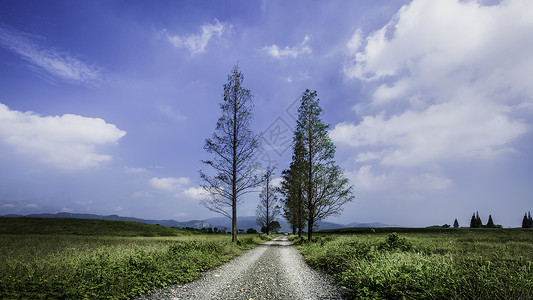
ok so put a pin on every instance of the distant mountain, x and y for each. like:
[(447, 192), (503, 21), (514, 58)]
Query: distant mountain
[(220, 222)]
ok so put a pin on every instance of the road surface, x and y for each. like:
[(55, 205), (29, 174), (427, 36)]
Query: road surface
[(273, 270)]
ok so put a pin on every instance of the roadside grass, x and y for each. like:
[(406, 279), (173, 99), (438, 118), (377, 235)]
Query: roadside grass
[(454, 264), (53, 265)]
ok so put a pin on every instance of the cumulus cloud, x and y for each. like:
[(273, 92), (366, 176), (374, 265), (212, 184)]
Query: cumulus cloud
[(172, 187), (168, 183), (49, 60), (196, 43), (302, 48), (66, 142), (450, 77), (197, 193)]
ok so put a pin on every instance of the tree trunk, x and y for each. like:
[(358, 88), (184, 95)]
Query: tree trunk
[(310, 229)]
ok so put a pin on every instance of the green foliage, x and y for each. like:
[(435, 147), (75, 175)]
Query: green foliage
[(452, 264), (58, 266)]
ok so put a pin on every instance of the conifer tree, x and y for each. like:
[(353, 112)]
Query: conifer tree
[(490, 223), (473, 221), (325, 189), (529, 220), (233, 146), (525, 221), (479, 223), (455, 224)]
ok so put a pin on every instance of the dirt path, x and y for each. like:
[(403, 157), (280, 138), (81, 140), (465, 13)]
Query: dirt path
[(273, 270)]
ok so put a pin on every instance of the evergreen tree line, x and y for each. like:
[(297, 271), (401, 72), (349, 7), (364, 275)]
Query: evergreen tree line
[(475, 222), (527, 222)]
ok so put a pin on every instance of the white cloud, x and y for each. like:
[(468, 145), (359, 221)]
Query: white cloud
[(450, 75), (169, 183), (31, 205), (66, 142), (57, 63), (441, 132), (197, 193), (8, 205), (196, 43), (302, 48)]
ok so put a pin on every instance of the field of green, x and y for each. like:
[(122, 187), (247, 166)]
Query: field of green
[(427, 263), (97, 259)]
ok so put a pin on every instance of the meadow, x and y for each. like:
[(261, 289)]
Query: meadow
[(427, 263), (97, 259)]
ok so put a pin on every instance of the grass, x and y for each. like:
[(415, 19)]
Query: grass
[(97, 259), (450, 264)]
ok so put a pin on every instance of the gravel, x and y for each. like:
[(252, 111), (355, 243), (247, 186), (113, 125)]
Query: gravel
[(273, 270)]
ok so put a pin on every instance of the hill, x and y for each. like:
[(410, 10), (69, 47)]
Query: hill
[(86, 227), (243, 222)]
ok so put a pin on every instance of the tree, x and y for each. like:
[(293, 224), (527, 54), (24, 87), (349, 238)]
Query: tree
[(267, 210), (455, 224), (326, 190), (473, 221), (251, 231), (233, 145), (479, 224), (527, 222), (490, 223), (292, 188)]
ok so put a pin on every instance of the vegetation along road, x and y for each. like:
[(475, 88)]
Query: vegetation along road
[(273, 270)]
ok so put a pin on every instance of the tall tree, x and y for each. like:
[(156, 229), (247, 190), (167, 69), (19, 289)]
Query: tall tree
[(529, 220), (267, 209), (525, 221), (292, 188), (326, 189), (233, 145), (479, 223)]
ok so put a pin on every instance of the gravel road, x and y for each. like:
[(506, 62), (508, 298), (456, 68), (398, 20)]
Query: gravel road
[(273, 270)]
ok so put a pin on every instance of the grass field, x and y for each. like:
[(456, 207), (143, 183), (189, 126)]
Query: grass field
[(428, 264), (95, 259)]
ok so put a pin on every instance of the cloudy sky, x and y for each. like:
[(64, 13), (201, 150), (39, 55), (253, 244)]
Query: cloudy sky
[(105, 105)]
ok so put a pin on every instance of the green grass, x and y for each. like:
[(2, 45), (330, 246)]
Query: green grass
[(97, 259), (450, 264)]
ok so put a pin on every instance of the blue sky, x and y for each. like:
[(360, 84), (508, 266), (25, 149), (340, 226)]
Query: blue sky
[(105, 105)]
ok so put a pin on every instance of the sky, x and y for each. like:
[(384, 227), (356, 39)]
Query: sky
[(105, 105)]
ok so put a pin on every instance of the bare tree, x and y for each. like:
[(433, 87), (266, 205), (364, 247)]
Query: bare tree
[(267, 209), (234, 146)]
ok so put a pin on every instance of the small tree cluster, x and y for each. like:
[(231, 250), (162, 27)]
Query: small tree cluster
[(475, 221), (527, 222)]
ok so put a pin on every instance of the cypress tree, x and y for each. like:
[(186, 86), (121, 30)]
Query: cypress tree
[(473, 221), (529, 220), (479, 223), (455, 224), (525, 221), (490, 223)]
